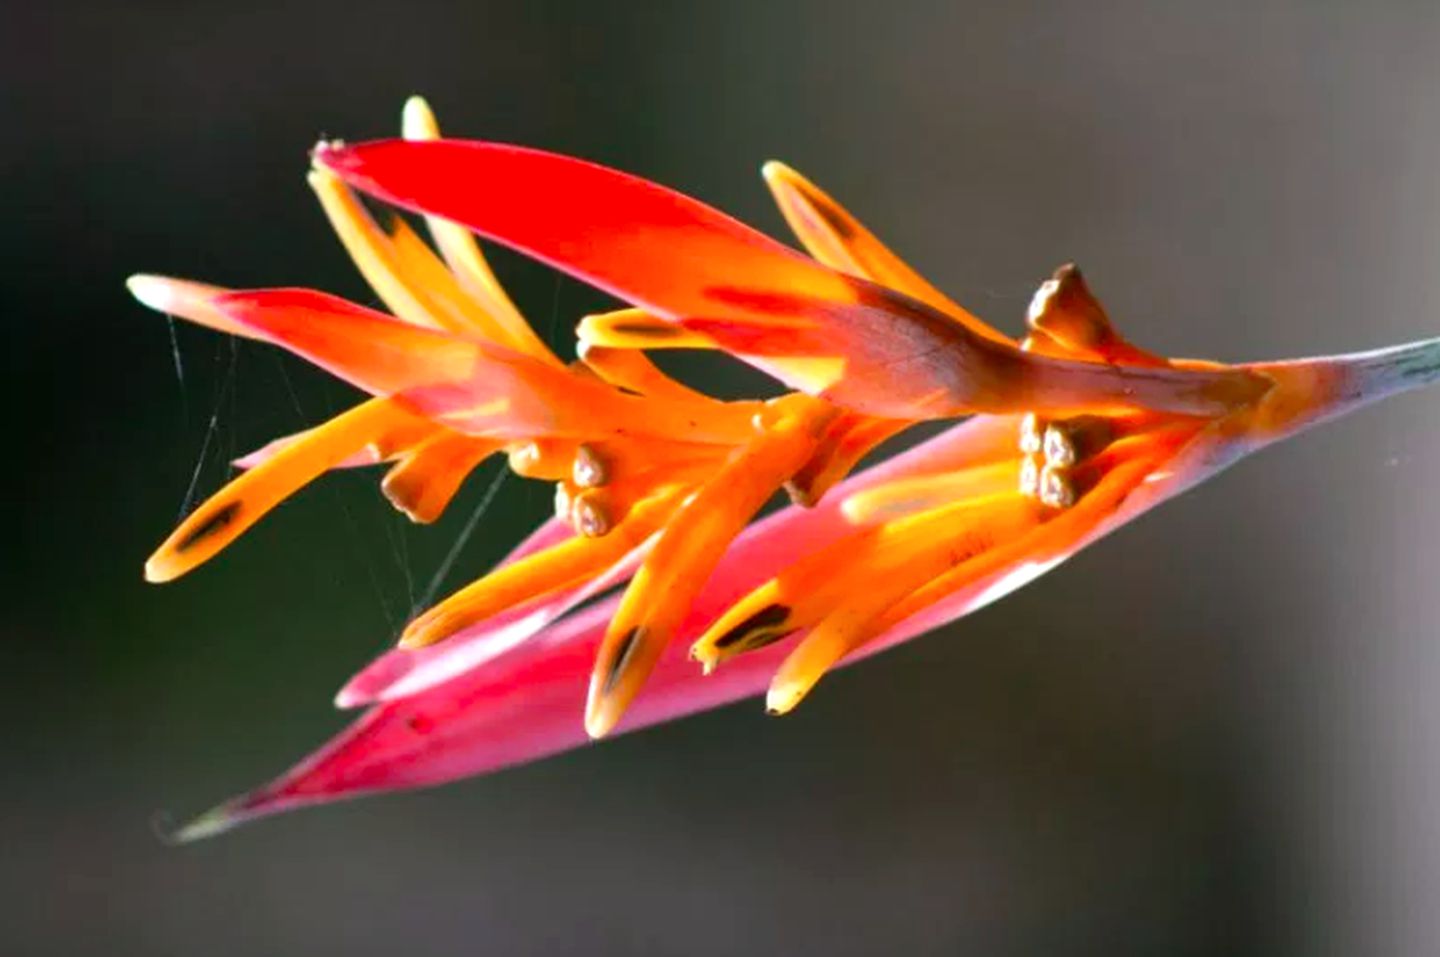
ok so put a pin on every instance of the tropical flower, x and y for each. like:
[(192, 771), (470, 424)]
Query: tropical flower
[(1071, 432)]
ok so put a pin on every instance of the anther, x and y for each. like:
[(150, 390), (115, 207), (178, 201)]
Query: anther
[(1032, 432), (589, 470), (1030, 476), (563, 500), (1058, 447), (589, 515), (1056, 489)]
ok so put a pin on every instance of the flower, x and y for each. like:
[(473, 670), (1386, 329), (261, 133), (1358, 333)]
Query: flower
[(1072, 432)]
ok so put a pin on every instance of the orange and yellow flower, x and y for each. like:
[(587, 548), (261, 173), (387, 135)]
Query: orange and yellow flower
[(1069, 432)]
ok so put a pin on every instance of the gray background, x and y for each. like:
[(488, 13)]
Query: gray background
[(1217, 732)]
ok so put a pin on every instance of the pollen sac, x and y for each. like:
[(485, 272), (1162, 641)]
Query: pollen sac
[(1056, 488), (590, 516), (1058, 448), (1030, 476), (1032, 434), (590, 470)]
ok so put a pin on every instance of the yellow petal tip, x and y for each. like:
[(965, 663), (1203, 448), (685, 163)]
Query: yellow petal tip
[(417, 120)]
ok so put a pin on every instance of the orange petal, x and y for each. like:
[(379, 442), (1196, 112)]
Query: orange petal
[(834, 237), (688, 549), (427, 477), (571, 562), (237, 506), (636, 329), (847, 440), (462, 254), (957, 536)]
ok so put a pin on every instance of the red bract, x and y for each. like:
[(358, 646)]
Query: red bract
[(1073, 431)]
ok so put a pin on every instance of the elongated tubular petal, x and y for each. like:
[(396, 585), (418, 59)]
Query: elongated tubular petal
[(805, 591), (636, 329), (471, 386), (427, 477), (959, 534), (689, 548), (560, 566), (879, 351), (630, 369), (1049, 544), (237, 506), (836, 238), (462, 254), (193, 301), (846, 441), (908, 496), (371, 250)]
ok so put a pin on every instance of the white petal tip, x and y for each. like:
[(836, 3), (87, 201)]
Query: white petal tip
[(417, 120), (156, 292)]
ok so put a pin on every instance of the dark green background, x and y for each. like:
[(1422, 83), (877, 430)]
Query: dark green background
[(1217, 732)]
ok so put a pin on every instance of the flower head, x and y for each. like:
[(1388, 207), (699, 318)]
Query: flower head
[(1071, 431)]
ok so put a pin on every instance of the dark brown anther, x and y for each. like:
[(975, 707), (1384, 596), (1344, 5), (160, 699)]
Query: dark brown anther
[(590, 470), (209, 526), (767, 623), (622, 657)]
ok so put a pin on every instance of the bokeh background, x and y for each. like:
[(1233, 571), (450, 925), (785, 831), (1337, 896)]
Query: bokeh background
[(1216, 732)]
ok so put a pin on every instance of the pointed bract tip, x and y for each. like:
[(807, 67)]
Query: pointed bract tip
[(215, 821), (155, 292)]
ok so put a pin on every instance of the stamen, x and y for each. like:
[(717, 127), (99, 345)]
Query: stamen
[(590, 470), (1056, 489), (1059, 450), (1030, 467), (589, 515), (1032, 434)]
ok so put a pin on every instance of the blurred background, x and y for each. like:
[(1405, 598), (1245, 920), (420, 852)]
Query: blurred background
[(1216, 732)]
